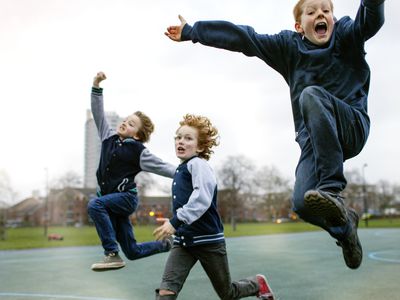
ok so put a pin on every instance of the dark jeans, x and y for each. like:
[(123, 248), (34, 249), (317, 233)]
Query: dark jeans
[(332, 131), (110, 214), (214, 260)]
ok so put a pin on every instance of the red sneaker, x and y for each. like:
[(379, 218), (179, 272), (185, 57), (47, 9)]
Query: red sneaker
[(264, 291)]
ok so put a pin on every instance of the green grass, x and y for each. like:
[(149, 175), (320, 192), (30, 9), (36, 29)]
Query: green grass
[(27, 238)]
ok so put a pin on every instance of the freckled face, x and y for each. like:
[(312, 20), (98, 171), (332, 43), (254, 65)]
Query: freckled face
[(186, 142), (316, 21), (129, 128)]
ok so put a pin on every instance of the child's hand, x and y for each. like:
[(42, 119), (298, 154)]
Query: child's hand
[(175, 32), (99, 78), (165, 230)]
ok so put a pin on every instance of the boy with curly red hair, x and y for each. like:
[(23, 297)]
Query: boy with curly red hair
[(196, 225)]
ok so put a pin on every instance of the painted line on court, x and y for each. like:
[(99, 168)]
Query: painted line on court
[(51, 296), (380, 256), (387, 233), (44, 258)]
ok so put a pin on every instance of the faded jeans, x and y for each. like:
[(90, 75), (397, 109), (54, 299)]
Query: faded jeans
[(332, 131), (110, 214), (214, 260)]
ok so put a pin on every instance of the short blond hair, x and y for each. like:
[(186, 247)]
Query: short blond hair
[(147, 127), (298, 10), (208, 134)]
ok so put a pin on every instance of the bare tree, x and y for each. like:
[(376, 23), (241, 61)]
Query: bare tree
[(3, 220), (268, 179), (275, 190), (385, 194), (355, 192), (235, 177), (363, 196), (7, 196), (70, 179)]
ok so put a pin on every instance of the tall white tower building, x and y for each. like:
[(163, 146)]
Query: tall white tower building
[(93, 146)]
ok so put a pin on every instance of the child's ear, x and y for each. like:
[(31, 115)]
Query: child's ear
[(199, 150), (298, 28)]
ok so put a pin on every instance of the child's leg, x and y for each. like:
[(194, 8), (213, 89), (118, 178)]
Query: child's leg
[(333, 131), (180, 262), (100, 210), (214, 260), (336, 132), (132, 249), (306, 179)]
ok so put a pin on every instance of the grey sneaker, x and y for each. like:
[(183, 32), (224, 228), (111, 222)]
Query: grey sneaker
[(112, 261), (351, 246), (328, 205)]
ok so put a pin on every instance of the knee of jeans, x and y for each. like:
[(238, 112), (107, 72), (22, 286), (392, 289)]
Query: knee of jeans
[(92, 205), (132, 254), (310, 99)]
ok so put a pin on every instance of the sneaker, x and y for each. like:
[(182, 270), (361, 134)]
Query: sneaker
[(112, 261), (328, 205), (264, 291), (351, 246)]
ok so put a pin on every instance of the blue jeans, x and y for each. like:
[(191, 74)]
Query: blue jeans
[(110, 214), (332, 131)]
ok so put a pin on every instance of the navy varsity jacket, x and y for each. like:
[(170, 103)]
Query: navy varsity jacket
[(194, 200), (121, 160)]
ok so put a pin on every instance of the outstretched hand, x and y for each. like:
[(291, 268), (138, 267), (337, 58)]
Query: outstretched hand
[(99, 78), (165, 230), (175, 32)]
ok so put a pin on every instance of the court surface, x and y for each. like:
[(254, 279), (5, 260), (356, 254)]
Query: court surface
[(302, 266)]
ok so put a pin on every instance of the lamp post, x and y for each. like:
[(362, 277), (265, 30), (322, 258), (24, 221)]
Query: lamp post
[(364, 193), (46, 205)]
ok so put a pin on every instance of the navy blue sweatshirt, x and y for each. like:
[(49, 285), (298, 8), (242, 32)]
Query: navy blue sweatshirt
[(339, 66)]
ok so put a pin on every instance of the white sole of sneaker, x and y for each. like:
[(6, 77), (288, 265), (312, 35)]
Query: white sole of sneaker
[(100, 267)]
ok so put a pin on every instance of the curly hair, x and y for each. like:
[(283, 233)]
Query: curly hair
[(298, 9), (208, 134), (147, 127)]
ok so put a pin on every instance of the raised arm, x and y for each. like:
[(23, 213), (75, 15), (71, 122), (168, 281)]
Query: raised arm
[(97, 105), (369, 19), (218, 34), (238, 38)]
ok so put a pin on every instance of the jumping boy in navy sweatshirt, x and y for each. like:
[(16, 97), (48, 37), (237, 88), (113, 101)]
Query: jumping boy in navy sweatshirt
[(323, 62)]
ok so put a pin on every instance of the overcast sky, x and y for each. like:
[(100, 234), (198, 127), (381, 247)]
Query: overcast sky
[(51, 49)]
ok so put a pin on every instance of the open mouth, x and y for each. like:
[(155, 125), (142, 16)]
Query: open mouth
[(321, 28), (180, 149)]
